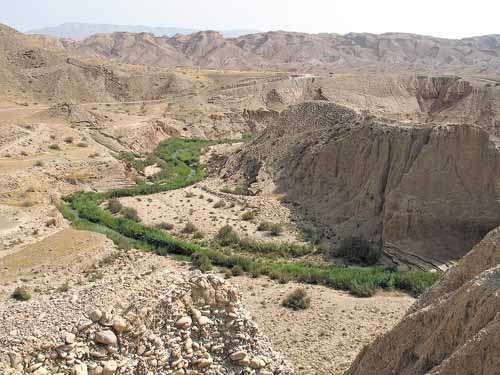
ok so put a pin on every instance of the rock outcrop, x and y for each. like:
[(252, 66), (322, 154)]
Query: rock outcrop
[(199, 326), (453, 329), (427, 193)]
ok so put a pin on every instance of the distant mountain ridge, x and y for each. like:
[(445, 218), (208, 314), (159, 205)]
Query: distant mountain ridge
[(386, 53), (79, 30), (283, 50)]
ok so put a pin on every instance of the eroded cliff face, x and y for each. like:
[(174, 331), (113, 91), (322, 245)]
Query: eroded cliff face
[(450, 98), (453, 329), (427, 193)]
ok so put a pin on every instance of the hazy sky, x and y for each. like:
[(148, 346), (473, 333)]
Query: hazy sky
[(447, 18)]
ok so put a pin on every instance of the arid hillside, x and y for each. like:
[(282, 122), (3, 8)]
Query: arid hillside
[(305, 52), (426, 192)]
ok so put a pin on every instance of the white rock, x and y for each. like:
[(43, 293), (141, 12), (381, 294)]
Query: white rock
[(109, 367), (238, 356), (41, 371), (95, 315), (119, 324), (106, 338), (80, 369), (184, 322), (203, 320), (69, 338)]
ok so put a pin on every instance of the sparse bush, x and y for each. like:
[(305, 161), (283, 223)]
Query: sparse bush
[(166, 226), (248, 215), (237, 271), (198, 235), (21, 294), (64, 287), (94, 155), (274, 229), (227, 236), (202, 262), (130, 213), (39, 163), (359, 251), (68, 140), (297, 300), (310, 233), (220, 204), (82, 144), (227, 273), (189, 228), (114, 206), (54, 147)]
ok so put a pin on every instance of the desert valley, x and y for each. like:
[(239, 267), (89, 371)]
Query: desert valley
[(267, 203)]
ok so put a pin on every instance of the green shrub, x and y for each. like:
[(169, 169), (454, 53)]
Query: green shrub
[(130, 213), (361, 289), (114, 206), (274, 229), (202, 262), (21, 294), (283, 249), (227, 236), (359, 251), (297, 300)]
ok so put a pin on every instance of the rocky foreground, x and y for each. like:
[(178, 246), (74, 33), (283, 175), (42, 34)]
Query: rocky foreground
[(143, 321)]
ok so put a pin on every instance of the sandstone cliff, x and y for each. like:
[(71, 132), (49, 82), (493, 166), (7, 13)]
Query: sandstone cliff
[(427, 193), (453, 329)]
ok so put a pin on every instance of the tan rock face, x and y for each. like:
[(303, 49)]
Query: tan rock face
[(453, 329), (428, 193)]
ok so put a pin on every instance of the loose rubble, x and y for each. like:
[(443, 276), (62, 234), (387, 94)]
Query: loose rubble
[(198, 326)]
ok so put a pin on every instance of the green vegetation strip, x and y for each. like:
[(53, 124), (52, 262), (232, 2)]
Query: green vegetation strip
[(182, 158)]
